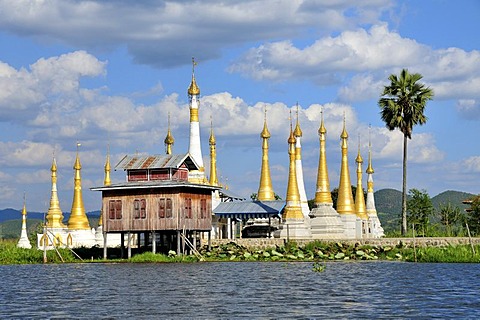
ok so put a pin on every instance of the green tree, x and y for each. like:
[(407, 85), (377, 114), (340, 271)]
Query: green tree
[(473, 215), (402, 105), (450, 217), (420, 209)]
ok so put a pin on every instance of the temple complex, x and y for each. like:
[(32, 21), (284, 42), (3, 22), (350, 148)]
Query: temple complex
[(168, 199)]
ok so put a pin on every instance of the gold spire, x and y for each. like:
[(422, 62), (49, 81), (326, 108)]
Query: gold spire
[(297, 132), (54, 214), (169, 138), (293, 209), (24, 212), (78, 219), (265, 190), (345, 204), (107, 180), (369, 168), (359, 198), (323, 194), (193, 89), (213, 156), (24, 209)]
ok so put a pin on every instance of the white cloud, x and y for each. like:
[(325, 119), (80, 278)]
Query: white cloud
[(25, 93), (420, 149), (362, 61), (159, 33), (469, 109), (327, 58), (362, 87), (471, 164)]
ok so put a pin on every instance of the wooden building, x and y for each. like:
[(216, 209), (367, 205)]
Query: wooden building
[(157, 202)]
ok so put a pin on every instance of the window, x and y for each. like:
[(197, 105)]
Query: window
[(115, 209), (169, 208), (188, 208), (161, 208), (139, 209), (203, 208), (165, 208)]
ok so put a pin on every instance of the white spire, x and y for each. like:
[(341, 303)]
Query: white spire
[(24, 242)]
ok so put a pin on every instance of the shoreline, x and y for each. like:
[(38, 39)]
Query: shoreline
[(387, 249)]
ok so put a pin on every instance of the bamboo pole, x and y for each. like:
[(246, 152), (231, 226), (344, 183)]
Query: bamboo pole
[(470, 238), (414, 248)]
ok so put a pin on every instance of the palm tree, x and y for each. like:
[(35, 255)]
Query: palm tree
[(402, 105)]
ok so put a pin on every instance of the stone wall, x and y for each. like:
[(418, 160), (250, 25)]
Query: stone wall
[(262, 243)]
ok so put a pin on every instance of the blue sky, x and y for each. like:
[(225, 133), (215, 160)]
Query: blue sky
[(109, 72)]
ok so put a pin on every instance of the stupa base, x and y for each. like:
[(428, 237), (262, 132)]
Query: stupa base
[(326, 223)]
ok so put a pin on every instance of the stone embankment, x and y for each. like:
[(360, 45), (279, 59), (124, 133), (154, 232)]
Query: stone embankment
[(263, 243)]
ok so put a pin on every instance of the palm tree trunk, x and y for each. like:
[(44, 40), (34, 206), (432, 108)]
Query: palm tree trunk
[(404, 187)]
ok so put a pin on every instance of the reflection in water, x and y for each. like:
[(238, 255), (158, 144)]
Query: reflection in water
[(270, 290)]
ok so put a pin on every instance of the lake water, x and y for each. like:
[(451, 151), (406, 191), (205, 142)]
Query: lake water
[(353, 290)]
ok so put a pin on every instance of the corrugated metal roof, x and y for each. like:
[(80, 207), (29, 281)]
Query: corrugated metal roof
[(249, 209), (153, 184), (130, 162), (225, 193)]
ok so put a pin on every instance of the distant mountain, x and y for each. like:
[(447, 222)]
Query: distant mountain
[(13, 214), (11, 221), (389, 204), (453, 197)]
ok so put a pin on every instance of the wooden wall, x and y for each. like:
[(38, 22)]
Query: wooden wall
[(152, 221)]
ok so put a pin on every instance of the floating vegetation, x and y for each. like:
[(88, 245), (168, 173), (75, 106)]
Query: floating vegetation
[(319, 267), (313, 251)]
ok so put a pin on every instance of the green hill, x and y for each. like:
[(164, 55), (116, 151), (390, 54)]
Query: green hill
[(453, 197), (389, 207)]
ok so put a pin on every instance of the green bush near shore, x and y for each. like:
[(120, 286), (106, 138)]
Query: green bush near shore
[(313, 251), (10, 254)]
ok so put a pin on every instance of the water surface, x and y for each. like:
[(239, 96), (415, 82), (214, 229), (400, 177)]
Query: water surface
[(261, 290)]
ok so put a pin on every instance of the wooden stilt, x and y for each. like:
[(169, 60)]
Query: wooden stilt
[(104, 245), (195, 239), (154, 242), (122, 245), (178, 242), (209, 240), (129, 245)]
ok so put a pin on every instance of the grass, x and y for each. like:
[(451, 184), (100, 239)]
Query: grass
[(454, 254), (315, 251), (10, 254)]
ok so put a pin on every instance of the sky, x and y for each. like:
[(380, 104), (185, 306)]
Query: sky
[(106, 74)]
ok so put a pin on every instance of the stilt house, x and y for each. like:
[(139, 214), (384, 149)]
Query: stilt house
[(157, 199)]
